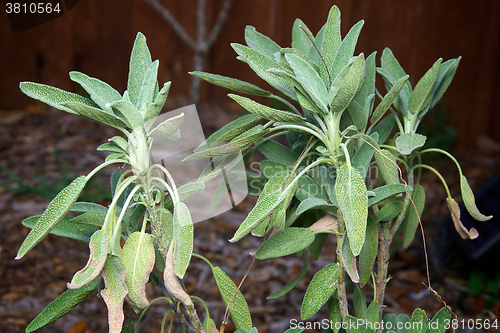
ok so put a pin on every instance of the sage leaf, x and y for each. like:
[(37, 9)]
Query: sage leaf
[(388, 99), (275, 151), (53, 96), (314, 203), (61, 305), (140, 60), (291, 284), (386, 191), (351, 85), (424, 90), (285, 242), (469, 201), (310, 80), (319, 290), (387, 165), (171, 280), (392, 71), (330, 45), (390, 211), (148, 88), (120, 142), (352, 198), (408, 142), (396, 321), (329, 184), (89, 218), (349, 260), (300, 39), (100, 92), (114, 292), (129, 113), (231, 84), (183, 236), (260, 42), (334, 313), (98, 251), (295, 330), (418, 322), (410, 223), (446, 74), (372, 313), (84, 207), (65, 228), (111, 147), (461, 229), (366, 95), (439, 322), (266, 112), (54, 213), (384, 129), (346, 49), (239, 310), (138, 257), (359, 302), (260, 65), (96, 114), (368, 252), (154, 109), (169, 129), (363, 156)]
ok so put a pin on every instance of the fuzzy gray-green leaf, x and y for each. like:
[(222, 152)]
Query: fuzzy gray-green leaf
[(439, 322), (352, 197), (169, 129), (300, 39), (148, 88), (275, 151), (183, 237), (96, 114), (239, 310), (140, 60), (98, 251), (408, 142), (346, 49), (100, 92), (138, 257), (390, 211), (54, 213), (363, 156), (418, 322), (368, 252), (314, 203), (129, 113), (285, 242), (267, 112), (90, 218), (446, 74), (154, 109), (319, 290), (411, 221), (331, 44), (386, 191), (231, 84), (424, 90), (65, 228), (359, 302), (61, 305), (349, 260), (261, 43), (351, 85), (469, 201), (386, 163), (388, 99), (54, 97), (334, 313)]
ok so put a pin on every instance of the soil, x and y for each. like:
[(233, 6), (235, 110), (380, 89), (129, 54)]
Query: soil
[(42, 149)]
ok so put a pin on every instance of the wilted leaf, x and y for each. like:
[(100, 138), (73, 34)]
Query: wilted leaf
[(469, 201), (349, 260), (319, 290), (455, 214), (115, 291), (54, 213)]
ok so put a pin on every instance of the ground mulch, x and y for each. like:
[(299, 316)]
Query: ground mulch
[(42, 148)]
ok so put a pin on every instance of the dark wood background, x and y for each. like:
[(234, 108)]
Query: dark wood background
[(96, 38)]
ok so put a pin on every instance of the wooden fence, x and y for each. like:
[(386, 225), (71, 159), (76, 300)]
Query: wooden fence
[(96, 38)]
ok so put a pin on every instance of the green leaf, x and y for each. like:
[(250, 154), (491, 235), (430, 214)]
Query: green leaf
[(300, 39), (90, 218), (330, 45), (295, 330), (469, 201), (129, 113), (154, 109), (391, 64), (61, 305), (368, 88), (351, 84), (418, 322), (446, 74), (98, 251), (114, 293), (384, 129), (54, 97), (388, 99), (439, 321), (232, 84), (169, 129), (290, 285), (390, 211), (54, 213), (359, 303), (411, 221), (386, 163), (100, 92), (284, 62), (275, 151), (140, 60), (95, 114), (329, 184), (183, 237), (386, 191), (392, 71), (266, 112), (120, 142), (363, 156), (148, 88), (424, 90), (310, 80), (319, 290), (188, 190), (84, 207), (111, 147), (349, 260), (334, 313), (396, 321), (357, 115), (372, 313), (352, 197), (65, 228), (239, 310), (285, 242), (346, 49), (260, 43), (260, 65), (138, 257), (408, 142), (314, 203), (368, 252)]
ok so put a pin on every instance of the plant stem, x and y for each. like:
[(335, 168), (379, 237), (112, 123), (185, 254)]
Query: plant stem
[(382, 265), (342, 294)]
